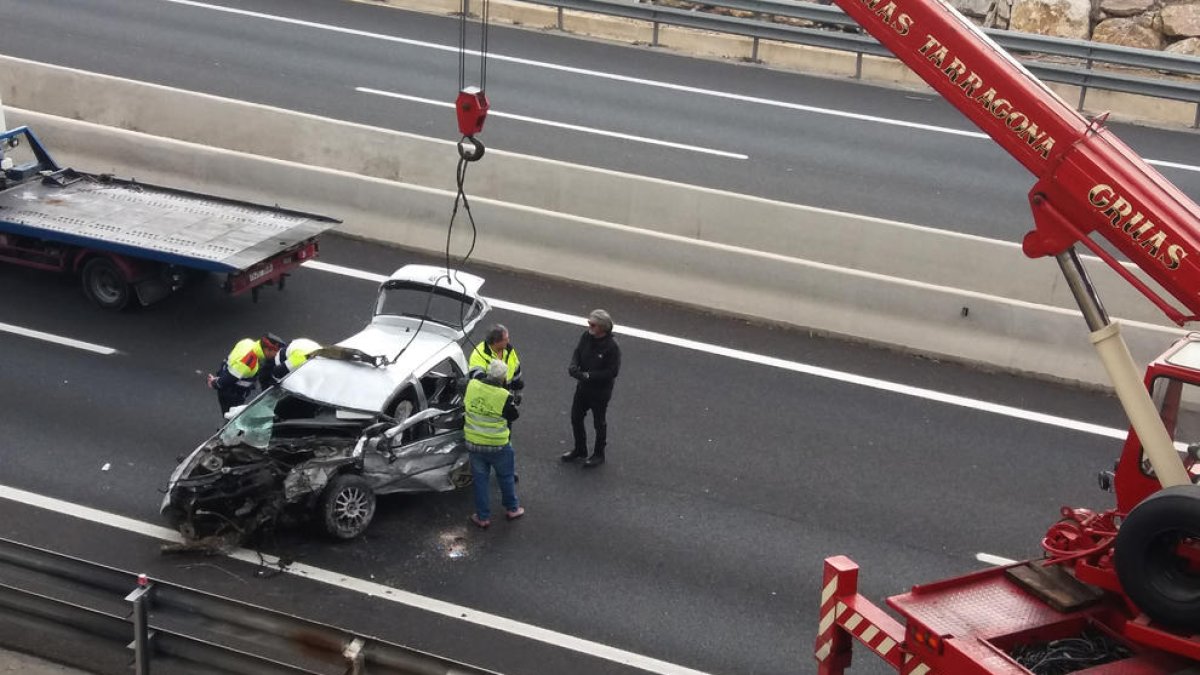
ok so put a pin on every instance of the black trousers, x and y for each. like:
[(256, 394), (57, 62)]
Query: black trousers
[(597, 402), (229, 398)]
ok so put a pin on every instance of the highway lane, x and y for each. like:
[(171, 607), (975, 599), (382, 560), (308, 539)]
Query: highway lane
[(315, 55), (698, 544)]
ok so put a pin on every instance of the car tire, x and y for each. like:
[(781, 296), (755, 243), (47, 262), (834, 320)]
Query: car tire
[(105, 284), (347, 506), (1152, 574)]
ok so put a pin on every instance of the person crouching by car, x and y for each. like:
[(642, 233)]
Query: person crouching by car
[(293, 355), (237, 376), (489, 411)]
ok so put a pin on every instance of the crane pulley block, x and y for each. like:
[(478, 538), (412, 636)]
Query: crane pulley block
[(472, 107)]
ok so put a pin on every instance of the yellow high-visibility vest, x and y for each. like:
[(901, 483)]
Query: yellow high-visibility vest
[(481, 356), (298, 352), (245, 358), (485, 423)]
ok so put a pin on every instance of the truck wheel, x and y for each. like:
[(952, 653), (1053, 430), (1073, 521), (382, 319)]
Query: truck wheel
[(1160, 580), (347, 506), (104, 283)]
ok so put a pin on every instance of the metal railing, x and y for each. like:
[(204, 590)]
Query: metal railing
[(165, 628), (1081, 55)]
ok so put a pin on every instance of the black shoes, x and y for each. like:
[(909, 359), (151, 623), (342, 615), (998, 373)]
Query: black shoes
[(593, 461), (572, 456)]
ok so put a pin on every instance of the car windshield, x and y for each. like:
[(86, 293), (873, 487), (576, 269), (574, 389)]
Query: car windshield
[(253, 425), (438, 305), (279, 417)]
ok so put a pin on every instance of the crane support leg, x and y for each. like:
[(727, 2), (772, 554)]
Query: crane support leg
[(847, 616), (1125, 376)]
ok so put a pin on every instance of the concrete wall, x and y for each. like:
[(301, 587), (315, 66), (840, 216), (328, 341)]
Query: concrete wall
[(926, 290)]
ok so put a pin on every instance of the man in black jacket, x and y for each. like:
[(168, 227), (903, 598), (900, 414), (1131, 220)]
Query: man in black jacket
[(595, 362)]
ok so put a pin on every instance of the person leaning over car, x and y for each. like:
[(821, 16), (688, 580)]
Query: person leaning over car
[(293, 355), (236, 377), (595, 363), (489, 411), (495, 345)]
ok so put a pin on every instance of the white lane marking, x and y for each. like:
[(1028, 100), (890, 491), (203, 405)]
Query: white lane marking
[(625, 78), (1173, 165), (561, 125), (583, 71), (362, 586), (57, 339), (994, 559), (794, 366)]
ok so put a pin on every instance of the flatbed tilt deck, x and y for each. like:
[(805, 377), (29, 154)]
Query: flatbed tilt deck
[(127, 239)]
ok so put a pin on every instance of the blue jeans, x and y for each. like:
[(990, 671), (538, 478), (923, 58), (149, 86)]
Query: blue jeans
[(482, 463)]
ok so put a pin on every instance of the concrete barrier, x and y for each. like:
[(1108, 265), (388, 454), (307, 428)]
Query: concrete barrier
[(930, 291), (863, 243)]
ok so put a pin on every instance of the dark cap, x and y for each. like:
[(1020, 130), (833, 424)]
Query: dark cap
[(273, 340)]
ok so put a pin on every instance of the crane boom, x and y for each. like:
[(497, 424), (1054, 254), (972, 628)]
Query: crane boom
[(1088, 179), (1135, 569)]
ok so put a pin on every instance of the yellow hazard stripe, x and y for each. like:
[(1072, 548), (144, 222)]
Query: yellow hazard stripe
[(829, 590)]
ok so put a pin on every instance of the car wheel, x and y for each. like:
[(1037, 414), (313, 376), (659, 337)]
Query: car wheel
[(104, 283), (1153, 572), (347, 506)]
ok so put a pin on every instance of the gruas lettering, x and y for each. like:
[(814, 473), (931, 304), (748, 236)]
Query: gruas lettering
[(1144, 232)]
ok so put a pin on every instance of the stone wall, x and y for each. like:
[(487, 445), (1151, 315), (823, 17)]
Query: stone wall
[(1164, 25), (1146, 24)]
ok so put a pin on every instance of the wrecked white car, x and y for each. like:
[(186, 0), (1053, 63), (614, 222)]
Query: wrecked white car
[(379, 413)]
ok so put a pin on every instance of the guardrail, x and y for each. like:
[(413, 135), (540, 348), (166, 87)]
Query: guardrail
[(167, 628), (849, 38)]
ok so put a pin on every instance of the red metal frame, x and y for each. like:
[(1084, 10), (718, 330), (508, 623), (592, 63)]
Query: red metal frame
[(970, 623), (1088, 182), (272, 269)]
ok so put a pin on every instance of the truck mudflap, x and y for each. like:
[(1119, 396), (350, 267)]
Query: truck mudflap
[(273, 270), (989, 622)]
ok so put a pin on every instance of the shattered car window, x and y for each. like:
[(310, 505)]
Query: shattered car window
[(253, 425)]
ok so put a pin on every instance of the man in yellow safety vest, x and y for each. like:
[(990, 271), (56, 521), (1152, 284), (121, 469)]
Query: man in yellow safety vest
[(293, 355), (235, 379), (495, 345), (489, 411)]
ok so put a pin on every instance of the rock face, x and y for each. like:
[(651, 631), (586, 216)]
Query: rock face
[(1126, 7), (1128, 33), (1181, 20), (1059, 18), (1188, 47), (1168, 25)]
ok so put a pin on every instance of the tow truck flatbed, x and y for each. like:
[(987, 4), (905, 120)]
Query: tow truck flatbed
[(154, 223), (129, 239)]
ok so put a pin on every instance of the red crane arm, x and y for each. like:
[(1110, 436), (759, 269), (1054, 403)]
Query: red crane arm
[(1088, 179)]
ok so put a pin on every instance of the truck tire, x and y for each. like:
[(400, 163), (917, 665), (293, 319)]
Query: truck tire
[(104, 283), (1161, 582), (347, 506)]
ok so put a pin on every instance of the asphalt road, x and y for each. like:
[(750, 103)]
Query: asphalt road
[(699, 543), (730, 479), (818, 141)]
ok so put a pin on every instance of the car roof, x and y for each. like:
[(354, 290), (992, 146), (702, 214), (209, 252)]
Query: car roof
[(441, 277), (407, 346)]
